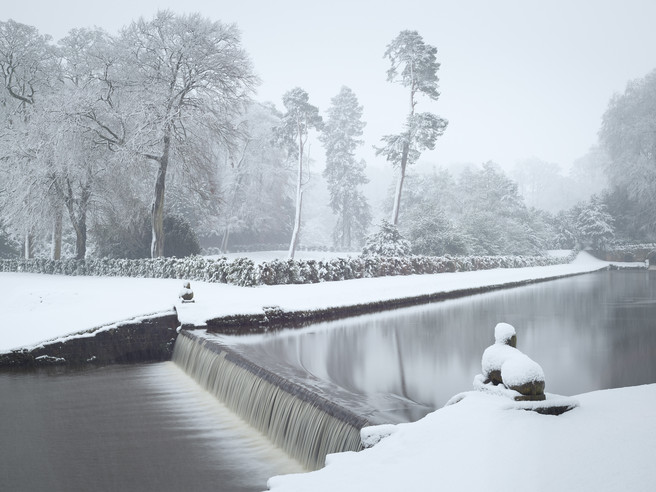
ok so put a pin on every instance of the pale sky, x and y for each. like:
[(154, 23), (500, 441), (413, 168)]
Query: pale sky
[(518, 79)]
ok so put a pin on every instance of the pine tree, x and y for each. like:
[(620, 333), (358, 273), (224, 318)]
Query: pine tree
[(594, 225), (294, 128), (344, 173), (413, 65)]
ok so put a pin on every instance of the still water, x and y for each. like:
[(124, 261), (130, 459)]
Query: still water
[(150, 427), (126, 428), (588, 332)]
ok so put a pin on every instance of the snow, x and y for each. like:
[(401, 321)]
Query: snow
[(495, 355), (38, 307), (520, 369), (503, 332), (480, 443)]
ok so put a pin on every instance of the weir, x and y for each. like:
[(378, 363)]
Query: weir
[(304, 424)]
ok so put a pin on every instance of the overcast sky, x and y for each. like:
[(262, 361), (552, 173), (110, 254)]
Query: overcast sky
[(518, 78)]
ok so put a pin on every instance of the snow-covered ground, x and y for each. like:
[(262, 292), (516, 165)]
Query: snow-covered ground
[(479, 443), (608, 444), (38, 308)]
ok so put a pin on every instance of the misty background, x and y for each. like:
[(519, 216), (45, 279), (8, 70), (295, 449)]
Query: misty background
[(524, 87)]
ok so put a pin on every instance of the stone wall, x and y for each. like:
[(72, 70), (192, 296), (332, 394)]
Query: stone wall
[(148, 339), (637, 253)]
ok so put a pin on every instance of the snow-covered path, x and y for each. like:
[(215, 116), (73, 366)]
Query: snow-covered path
[(37, 307)]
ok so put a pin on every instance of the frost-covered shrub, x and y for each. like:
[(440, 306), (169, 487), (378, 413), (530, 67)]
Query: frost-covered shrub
[(241, 271), (273, 272), (244, 272), (388, 241), (309, 271)]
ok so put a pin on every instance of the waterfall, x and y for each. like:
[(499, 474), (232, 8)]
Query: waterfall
[(306, 425)]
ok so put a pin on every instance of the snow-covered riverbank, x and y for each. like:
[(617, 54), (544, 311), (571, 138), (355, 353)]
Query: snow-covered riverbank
[(37, 307), (606, 444)]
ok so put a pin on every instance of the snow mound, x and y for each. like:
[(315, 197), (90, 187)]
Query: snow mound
[(520, 369), (503, 332), (375, 433), (495, 355)]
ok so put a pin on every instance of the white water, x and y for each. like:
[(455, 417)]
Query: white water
[(307, 427)]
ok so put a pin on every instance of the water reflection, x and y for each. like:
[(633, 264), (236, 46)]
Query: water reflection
[(588, 332)]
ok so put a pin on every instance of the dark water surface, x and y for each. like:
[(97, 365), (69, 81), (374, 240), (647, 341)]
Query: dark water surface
[(126, 428), (588, 332)]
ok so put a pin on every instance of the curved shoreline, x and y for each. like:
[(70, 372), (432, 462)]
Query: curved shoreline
[(274, 318), (151, 338)]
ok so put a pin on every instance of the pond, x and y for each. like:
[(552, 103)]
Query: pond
[(588, 332), (139, 427)]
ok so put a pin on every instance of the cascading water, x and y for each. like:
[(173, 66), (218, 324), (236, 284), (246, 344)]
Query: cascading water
[(306, 425)]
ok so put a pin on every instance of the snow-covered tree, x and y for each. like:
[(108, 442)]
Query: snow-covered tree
[(387, 241), (184, 79), (594, 225), (254, 182), (493, 212), (299, 118), (27, 71), (413, 65), (628, 135), (435, 234), (344, 173)]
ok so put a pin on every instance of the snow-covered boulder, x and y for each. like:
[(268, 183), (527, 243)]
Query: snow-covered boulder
[(503, 364)]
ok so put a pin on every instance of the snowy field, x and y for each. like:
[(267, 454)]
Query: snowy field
[(38, 308), (606, 444)]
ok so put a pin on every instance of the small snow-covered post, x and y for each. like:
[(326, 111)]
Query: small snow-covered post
[(186, 294)]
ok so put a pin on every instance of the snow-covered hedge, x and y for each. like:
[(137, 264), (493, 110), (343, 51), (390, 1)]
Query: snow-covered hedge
[(243, 272)]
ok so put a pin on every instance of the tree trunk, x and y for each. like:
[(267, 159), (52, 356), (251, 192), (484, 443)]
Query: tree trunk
[(399, 185), (81, 237), (79, 219), (297, 223), (224, 241), (299, 199), (28, 247), (157, 245), (346, 224), (57, 234)]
